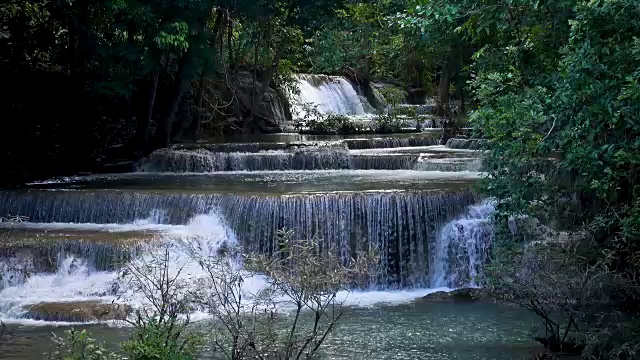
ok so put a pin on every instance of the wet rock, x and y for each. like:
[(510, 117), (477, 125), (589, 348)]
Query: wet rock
[(466, 144), (271, 111), (460, 295), (77, 311), (118, 167)]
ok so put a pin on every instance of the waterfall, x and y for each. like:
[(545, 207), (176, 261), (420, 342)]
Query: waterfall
[(449, 164), (330, 94), (203, 161), (467, 144), (462, 248), (391, 142), (74, 279), (386, 162), (400, 224), (308, 158), (420, 237), (403, 196)]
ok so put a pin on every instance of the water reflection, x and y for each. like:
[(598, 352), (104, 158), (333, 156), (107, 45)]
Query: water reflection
[(442, 331)]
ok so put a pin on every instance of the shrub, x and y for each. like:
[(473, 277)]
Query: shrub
[(303, 274), (78, 345)]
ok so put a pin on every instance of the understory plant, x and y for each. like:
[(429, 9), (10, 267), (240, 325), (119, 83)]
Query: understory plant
[(575, 290), (295, 311), (79, 345), (283, 305), (334, 124), (559, 105)]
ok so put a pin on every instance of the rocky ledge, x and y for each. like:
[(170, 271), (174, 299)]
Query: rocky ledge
[(85, 311), (460, 295)]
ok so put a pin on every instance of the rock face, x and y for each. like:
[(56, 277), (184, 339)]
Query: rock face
[(77, 311), (272, 110), (460, 295), (374, 95)]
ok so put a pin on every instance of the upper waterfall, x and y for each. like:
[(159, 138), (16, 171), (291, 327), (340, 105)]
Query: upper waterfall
[(331, 94)]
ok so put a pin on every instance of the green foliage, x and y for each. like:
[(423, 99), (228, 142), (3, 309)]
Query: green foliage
[(393, 96), (558, 101), (365, 41), (78, 345), (174, 39), (156, 340), (516, 161), (389, 124), (333, 124), (584, 115)]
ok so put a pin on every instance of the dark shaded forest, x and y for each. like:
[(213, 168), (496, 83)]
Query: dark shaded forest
[(555, 88)]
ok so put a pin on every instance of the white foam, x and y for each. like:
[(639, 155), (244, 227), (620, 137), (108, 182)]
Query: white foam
[(74, 281), (114, 228), (465, 243), (330, 94), (384, 298), (205, 234)]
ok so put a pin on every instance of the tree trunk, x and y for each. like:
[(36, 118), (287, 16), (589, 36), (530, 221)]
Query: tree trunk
[(245, 126), (195, 124), (265, 85), (230, 39), (442, 107), (181, 83), (143, 123), (184, 76), (460, 92)]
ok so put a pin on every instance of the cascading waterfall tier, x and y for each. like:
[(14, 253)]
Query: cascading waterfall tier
[(330, 94), (391, 142), (467, 144), (403, 226), (203, 161), (235, 147), (449, 164), (322, 141), (311, 158), (19, 260), (463, 248), (385, 161)]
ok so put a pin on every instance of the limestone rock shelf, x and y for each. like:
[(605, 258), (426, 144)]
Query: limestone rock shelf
[(271, 182), (87, 311)]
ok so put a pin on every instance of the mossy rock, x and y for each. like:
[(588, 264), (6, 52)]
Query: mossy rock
[(84, 311), (460, 295)]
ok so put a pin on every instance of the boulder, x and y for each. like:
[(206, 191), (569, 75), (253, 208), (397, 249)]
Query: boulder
[(374, 95), (460, 295), (272, 109), (84, 311)]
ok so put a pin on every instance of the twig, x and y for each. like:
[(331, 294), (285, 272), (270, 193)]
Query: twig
[(550, 131)]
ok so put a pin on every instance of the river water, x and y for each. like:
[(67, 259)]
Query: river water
[(404, 195), (437, 331)]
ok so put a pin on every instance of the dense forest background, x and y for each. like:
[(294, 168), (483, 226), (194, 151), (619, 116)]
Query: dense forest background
[(555, 88), (93, 81)]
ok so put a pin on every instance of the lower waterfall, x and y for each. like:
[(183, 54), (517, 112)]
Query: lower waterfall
[(402, 196), (463, 248), (425, 240)]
